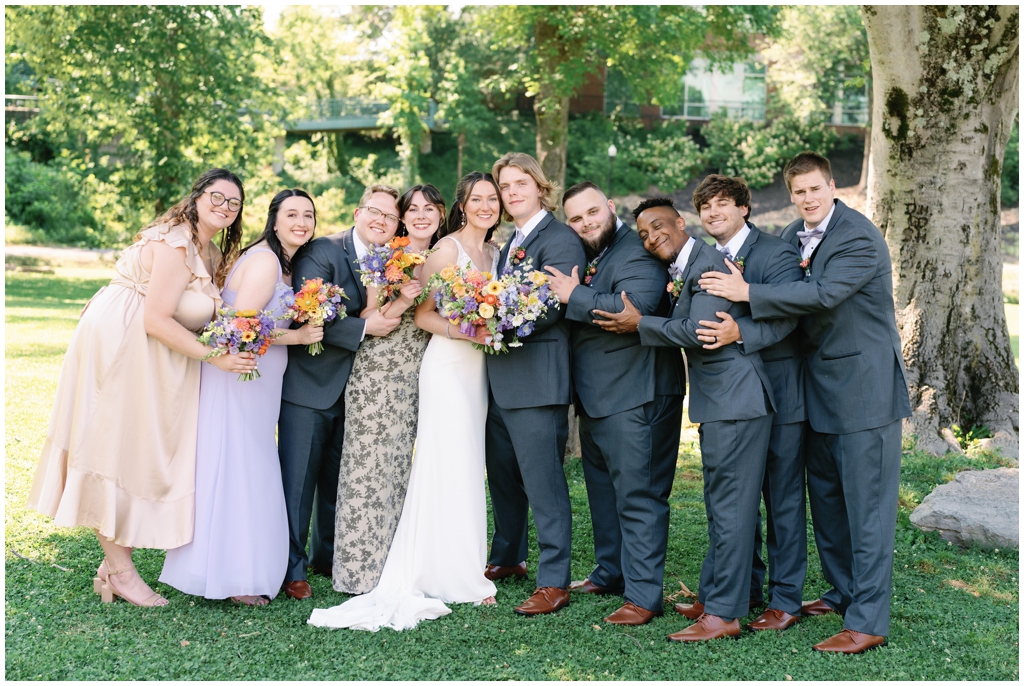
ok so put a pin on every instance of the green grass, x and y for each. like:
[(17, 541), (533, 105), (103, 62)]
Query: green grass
[(954, 612)]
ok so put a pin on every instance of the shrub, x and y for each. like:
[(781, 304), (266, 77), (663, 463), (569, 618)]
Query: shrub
[(51, 202), (759, 151)]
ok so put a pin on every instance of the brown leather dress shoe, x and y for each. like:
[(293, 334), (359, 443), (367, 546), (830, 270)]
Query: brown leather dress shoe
[(849, 642), (496, 572), (543, 601), (773, 620), (632, 615), (706, 628), (813, 608), (588, 586), (695, 610), (690, 611), (299, 590)]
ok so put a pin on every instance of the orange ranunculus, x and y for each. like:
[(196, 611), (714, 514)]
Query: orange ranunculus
[(241, 323), (393, 273), (491, 299), (399, 242)]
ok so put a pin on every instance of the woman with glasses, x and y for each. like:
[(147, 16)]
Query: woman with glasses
[(240, 547), (377, 453), (120, 450)]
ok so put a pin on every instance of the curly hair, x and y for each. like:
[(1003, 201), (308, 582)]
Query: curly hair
[(184, 212)]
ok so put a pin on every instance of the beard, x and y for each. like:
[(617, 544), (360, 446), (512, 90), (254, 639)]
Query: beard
[(594, 244)]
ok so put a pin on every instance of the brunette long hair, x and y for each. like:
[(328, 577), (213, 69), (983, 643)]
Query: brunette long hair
[(457, 217), (270, 236), (434, 197), (184, 212)]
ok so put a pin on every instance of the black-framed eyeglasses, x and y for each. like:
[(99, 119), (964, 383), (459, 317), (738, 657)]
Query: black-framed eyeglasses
[(390, 219), (218, 199)]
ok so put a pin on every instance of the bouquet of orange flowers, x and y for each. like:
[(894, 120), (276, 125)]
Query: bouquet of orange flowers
[(235, 331), (389, 267), (317, 302)]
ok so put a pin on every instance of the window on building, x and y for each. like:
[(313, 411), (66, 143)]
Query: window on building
[(851, 105), (740, 91)]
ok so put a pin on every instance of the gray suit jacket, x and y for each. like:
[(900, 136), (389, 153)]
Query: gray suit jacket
[(611, 372), (855, 374), (725, 384), (537, 373), (768, 259), (317, 381)]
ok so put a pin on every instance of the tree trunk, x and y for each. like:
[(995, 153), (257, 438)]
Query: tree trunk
[(551, 106), (945, 85), (865, 164)]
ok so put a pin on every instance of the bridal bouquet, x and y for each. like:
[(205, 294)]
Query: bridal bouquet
[(317, 302), (525, 297), (388, 267), (467, 297), (239, 331)]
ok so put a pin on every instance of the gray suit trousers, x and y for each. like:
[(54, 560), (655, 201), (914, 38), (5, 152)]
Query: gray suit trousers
[(629, 461), (309, 446), (733, 454), (525, 448), (853, 483)]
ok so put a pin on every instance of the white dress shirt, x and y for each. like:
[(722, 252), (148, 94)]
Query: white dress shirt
[(525, 230), (361, 252), (684, 254), (806, 250), (735, 243)]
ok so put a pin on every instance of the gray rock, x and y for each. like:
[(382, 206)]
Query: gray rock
[(979, 507)]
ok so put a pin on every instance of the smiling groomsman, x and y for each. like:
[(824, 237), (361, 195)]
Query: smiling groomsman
[(629, 400), (311, 428), (730, 397), (723, 204), (856, 395), (528, 410)]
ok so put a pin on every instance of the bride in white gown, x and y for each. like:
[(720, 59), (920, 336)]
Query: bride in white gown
[(440, 548)]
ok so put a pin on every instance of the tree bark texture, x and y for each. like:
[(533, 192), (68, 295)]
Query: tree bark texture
[(945, 89), (551, 105)]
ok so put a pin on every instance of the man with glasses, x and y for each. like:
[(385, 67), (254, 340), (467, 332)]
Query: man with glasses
[(311, 427)]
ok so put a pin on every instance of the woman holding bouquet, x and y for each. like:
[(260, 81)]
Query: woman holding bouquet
[(380, 402), (439, 549), (119, 455), (240, 547)]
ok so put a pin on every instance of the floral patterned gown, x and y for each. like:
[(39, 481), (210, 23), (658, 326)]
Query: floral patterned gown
[(376, 456)]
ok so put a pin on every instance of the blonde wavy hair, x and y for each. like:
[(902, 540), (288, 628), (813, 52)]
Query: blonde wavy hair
[(528, 165)]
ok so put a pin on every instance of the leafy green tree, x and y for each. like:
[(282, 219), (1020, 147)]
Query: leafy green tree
[(557, 46), (148, 95)]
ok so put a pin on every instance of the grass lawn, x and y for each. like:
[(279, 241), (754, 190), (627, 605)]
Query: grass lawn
[(954, 612)]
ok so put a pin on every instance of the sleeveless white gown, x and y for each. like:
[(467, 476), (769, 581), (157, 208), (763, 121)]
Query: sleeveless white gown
[(440, 547)]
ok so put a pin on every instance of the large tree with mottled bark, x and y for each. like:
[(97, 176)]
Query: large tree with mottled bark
[(945, 84), (559, 46)]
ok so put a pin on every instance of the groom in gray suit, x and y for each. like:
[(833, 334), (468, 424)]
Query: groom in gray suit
[(856, 395), (311, 428), (528, 409), (730, 396), (629, 400)]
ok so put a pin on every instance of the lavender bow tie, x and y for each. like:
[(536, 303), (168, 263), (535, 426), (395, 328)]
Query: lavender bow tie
[(806, 236)]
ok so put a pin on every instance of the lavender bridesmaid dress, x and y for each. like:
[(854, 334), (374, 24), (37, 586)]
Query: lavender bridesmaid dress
[(240, 546)]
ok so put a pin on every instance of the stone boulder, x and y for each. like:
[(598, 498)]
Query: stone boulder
[(978, 507)]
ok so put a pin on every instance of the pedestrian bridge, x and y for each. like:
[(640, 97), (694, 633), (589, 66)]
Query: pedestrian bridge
[(348, 114)]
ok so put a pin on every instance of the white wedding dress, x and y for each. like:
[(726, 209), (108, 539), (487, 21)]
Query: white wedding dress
[(440, 547)]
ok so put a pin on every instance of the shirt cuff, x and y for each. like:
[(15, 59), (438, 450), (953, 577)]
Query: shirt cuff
[(363, 335)]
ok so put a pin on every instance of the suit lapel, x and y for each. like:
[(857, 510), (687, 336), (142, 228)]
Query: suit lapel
[(829, 230), (352, 260), (536, 231), (741, 254)]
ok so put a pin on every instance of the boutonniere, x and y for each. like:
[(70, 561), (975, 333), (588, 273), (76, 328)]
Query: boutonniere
[(675, 286), (518, 256), (740, 263), (590, 272), (805, 264)]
